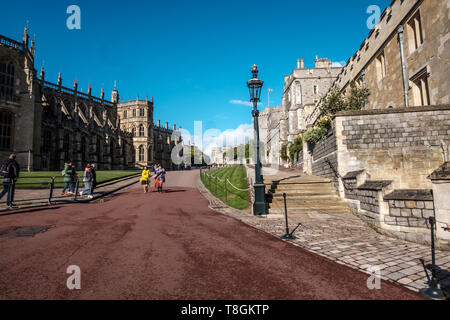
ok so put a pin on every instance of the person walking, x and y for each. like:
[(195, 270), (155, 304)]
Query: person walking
[(145, 179), (10, 171), (161, 178), (69, 178), (156, 170), (87, 180), (94, 177)]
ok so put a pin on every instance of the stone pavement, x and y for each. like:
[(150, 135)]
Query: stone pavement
[(24, 198), (347, 240)]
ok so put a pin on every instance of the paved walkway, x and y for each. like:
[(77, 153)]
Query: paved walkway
[(38, 197), (347, 240), (165, 246)]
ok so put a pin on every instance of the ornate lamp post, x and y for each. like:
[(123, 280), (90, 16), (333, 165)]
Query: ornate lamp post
[(254, 86)]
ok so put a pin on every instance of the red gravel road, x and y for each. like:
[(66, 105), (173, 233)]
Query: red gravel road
[(166, 246)]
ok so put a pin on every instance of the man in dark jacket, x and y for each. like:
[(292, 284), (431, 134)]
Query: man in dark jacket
[(94, 177), (10, 171), (69, 179)]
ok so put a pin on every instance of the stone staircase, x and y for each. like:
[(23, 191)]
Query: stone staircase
[(305, 194)]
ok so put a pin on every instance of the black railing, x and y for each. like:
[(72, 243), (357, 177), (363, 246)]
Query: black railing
[(41, 183)]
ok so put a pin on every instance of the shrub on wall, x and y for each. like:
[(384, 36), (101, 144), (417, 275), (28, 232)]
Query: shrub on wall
[(333, 103), (314, 135), (336, 101), (324, 123), (357, 97)]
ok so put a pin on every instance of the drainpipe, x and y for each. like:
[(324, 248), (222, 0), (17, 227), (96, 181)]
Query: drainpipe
[(402, 54)]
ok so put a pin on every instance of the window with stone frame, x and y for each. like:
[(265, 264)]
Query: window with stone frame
[(141, 153), (420, 88), (83, 150), (359, 82), (66, 146), (6, 130), (160, 143), (125, 114), (142, 112), (134, 112), (141, 131), (316, 89), (381, 66), (99, 149), (7, 71), (47, 141), (415, 33)]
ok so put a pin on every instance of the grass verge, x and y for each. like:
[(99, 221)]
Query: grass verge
[(37, 180), (213, 181)]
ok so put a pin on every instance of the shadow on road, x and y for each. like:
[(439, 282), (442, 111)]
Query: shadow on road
[(173, 191), (29, 210)]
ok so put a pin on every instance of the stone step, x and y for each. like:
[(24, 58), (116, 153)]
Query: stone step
[(308, 195), (296, 181), (300, 211), (325, 188), (321, 202), (309, 204)]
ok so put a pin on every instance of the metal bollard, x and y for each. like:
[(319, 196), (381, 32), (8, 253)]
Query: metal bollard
[(76, 190), (52, 186), (432, 292), (288, 235)]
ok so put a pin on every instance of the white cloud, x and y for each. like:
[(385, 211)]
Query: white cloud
[(227, 138), (241, 102), (339, 64)]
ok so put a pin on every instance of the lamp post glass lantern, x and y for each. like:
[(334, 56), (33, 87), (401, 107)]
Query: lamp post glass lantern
[(255, 87)]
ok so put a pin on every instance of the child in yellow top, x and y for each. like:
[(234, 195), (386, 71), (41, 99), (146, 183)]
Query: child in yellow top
[(145, 179)]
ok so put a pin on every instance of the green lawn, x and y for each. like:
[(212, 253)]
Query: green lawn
[(35, 180), (232, 197)]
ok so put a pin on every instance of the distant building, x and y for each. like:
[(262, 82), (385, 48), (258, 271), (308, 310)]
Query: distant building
[(302, 91)]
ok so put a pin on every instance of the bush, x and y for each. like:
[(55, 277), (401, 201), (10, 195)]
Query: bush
[(314, 135), (336, 101), (324, 123), (357, 97), (295, 148)]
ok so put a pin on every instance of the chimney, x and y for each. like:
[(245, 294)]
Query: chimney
[(174, 127), (158, 123), (301, 64), (167, 125)]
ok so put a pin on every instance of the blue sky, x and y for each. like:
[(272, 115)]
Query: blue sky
[(194, 57)]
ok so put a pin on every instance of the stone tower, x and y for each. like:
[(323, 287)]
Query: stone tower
[(136, 117), (115, 94)]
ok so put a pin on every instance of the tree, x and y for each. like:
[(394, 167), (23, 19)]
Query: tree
[(357, 97), (336, 102)]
